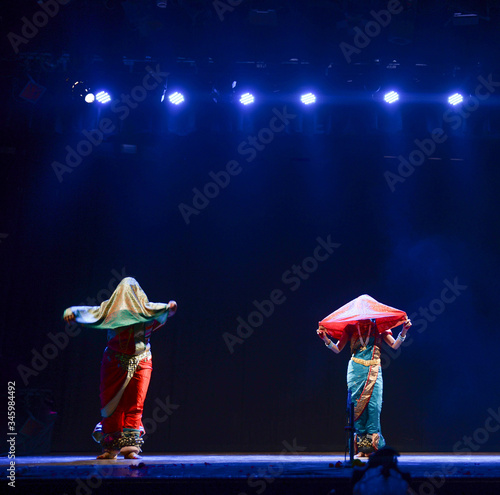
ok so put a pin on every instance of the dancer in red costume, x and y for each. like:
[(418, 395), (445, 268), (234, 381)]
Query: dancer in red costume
[(126, 365)]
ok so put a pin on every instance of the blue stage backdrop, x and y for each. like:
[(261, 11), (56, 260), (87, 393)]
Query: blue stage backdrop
[(257, 243)]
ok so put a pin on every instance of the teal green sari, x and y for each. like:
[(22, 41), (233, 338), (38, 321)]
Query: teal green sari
[(364, 380)]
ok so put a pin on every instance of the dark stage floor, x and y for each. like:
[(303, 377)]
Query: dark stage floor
[(82, 474)]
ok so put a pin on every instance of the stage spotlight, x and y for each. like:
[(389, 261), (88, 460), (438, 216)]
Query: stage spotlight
[(103, 97), (247, 99), (308, 98), (215, 95), (176, 98), (81, 90), (391, 97), (455, 99)]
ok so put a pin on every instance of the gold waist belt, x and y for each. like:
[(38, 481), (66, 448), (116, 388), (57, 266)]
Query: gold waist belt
[(130, 362), (364, 362)]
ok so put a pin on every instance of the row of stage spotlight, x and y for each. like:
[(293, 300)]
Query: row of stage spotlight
[(245, 99)]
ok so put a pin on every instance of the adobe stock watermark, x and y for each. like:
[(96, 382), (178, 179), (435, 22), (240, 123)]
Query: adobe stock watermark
[(468, 444), (94, 480), (425, 315), (363, 37), (162, 411), (426, 147), (94, 137), (479, 436), (292, 278), (223, 6), (267, 475), (249, 148), (30, 28), (60, 340)]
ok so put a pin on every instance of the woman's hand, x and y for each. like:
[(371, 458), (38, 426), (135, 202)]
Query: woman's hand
[(406, 327), (172, 306), (69, 316), (336, 348), (322, 334)]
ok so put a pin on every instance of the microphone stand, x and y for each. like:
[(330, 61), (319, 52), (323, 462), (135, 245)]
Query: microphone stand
[(350, 430)]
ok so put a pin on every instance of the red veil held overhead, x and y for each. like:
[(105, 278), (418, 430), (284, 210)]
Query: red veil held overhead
[(362, 308)]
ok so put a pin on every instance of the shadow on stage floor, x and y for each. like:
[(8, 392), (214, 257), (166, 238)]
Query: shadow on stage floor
[(81, 474)]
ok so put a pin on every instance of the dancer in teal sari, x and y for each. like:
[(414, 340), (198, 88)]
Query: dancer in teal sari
[(364, 378)]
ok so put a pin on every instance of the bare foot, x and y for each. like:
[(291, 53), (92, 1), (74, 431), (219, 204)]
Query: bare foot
[(130, 453), (107, 455), (361, 454)]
